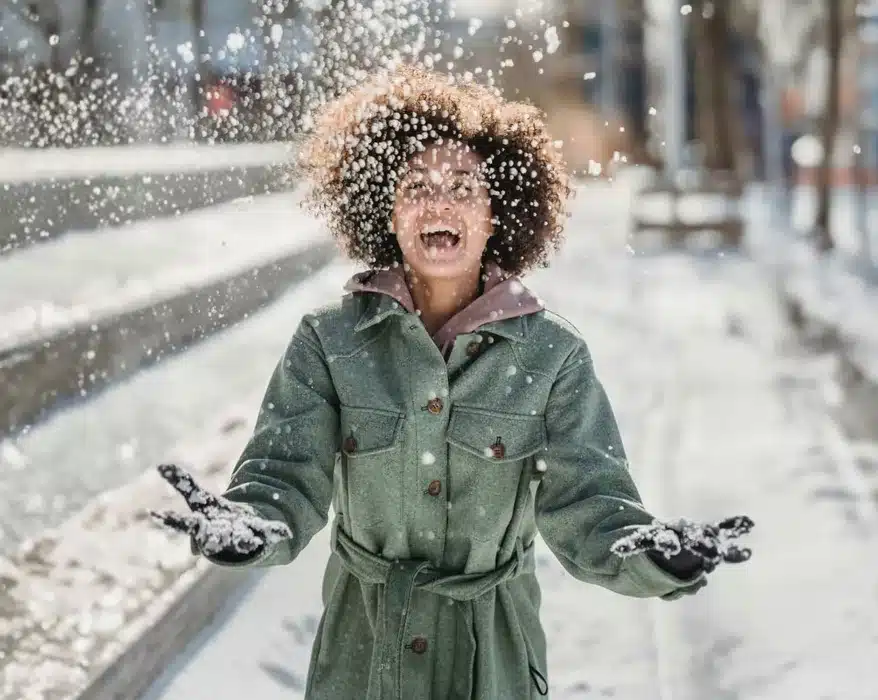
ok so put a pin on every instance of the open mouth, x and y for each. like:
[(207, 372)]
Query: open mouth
[(441, 238)]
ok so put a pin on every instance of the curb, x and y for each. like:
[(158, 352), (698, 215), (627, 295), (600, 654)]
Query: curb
[(192, 606), (39, 376), (858, 412)]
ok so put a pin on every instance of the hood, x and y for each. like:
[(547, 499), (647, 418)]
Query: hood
[(503, 297)]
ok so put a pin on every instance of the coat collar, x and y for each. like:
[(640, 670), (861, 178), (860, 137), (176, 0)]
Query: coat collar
[(378, 307), (501, 309)]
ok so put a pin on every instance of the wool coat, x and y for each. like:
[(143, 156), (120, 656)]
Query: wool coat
[(443, 458)]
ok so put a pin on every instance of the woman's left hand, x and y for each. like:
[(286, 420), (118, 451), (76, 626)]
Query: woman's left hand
[(712, 543)]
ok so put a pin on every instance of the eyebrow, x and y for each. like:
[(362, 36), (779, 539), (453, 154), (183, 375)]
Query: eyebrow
[(456, 171)]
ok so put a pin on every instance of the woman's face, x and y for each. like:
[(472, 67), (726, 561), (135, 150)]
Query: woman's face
[(442, 212)]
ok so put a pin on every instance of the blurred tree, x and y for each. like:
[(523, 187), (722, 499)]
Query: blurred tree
[(829, 124), (88, 29), (716, 85), (793, 33), (633, 75), (202, 55)]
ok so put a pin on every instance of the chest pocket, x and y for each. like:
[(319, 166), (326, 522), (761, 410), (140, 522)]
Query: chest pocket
[(487, 452), (371, 464)]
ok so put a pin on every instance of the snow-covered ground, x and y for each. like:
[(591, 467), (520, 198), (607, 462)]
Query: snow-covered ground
[(844, 220), (836, 290), (49, 472), (723, 414), (100, 273)]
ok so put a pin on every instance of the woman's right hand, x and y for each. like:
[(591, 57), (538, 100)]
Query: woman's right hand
[(218, 526)]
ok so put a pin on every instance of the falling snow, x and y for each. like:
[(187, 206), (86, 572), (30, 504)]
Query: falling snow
[(64, 101)]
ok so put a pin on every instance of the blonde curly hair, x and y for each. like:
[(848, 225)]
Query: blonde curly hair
[(362, 142)]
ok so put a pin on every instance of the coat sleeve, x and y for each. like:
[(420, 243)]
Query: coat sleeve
[(286, 469), (587, 498)]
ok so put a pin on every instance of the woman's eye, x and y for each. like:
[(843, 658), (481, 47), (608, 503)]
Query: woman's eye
[(463, 189)]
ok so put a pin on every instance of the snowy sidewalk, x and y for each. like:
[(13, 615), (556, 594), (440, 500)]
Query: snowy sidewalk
[(722, 414), (51, 470)]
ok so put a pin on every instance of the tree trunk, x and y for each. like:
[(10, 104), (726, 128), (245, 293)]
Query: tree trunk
[(50, 18), (829, 125), (634, 72), (715, 85), (88, 29), (202, 54), (97, 121)]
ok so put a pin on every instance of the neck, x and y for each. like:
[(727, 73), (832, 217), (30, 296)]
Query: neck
[(438, 300)]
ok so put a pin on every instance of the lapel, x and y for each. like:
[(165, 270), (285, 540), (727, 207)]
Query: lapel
[(377, 308), (513, 329)]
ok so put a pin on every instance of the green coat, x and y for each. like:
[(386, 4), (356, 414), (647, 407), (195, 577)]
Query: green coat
[(441, 474)]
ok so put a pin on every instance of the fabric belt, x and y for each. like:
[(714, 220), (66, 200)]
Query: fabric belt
[(399, 579)]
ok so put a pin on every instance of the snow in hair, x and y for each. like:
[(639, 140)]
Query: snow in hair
[(362, 143)]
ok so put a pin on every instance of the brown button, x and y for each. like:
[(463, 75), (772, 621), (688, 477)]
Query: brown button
[(435, 488), (350, 444), (498, 449), (473, 348), (419, 645), (434, 406)]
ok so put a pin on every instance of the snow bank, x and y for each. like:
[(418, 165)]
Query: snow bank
[(829, 292), (27, 165), (110, 586), (47, 193), (91, 275), (829, 298), (95, 608)]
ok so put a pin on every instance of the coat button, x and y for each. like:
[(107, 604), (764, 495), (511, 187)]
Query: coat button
[(350, 444), (419, 645), (473, 348), (498, 449), (435, 488), (434, 406)]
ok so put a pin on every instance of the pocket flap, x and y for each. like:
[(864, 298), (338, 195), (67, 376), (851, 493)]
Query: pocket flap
[(368, 431), (495, 436)]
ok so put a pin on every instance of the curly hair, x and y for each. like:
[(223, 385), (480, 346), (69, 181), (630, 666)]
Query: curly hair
[(362, 143)]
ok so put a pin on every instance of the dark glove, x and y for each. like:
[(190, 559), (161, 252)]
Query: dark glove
[(681, 540), (217, 526), (685, 565)]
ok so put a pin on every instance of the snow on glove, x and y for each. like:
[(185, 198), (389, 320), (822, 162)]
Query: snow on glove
[(217, 525), (711, 542)]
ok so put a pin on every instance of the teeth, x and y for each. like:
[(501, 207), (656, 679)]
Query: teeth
[(448, 239), (437, 228)]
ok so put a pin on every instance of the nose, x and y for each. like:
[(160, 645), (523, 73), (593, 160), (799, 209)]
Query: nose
[(441, 201)]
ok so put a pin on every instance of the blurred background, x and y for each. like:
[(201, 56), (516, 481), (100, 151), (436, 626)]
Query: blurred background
[(154, 261)]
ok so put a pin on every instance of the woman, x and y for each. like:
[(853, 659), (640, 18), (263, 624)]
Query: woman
[(465, 416)]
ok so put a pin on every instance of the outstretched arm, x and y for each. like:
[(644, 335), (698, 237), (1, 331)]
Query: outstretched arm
[(285, 473), (587, 499)]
